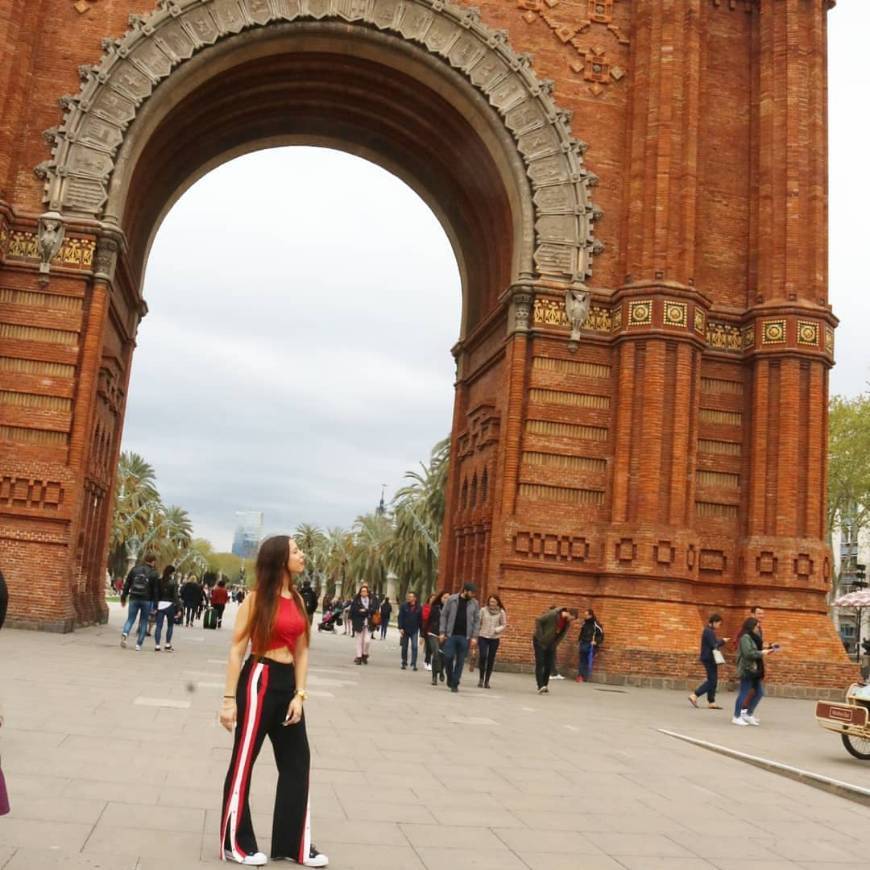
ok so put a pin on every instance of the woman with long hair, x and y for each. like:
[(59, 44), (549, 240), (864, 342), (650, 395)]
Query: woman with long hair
[(264, 697), (433, 642), (362, 609), (167, 605), (493, 622)]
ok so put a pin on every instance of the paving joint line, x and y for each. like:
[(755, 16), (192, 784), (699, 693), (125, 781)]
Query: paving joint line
[(855, 793)]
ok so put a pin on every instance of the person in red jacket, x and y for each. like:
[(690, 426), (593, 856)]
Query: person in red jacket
[(219, 599)]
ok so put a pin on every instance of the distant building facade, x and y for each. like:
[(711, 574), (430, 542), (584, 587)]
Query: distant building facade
[(248, 534), (851, 549)]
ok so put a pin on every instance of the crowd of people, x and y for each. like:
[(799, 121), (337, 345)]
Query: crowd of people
[(164, 599)]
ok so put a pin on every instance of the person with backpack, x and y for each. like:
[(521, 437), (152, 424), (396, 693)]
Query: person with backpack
[(591, 638), (386, 613), (142, 589), (168, 604)]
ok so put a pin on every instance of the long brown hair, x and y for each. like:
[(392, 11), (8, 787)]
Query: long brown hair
[(271, 569)]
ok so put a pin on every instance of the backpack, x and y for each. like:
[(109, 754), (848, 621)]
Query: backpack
[(140, 582)]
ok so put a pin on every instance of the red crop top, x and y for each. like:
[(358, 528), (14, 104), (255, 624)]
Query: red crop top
[(289, 624)]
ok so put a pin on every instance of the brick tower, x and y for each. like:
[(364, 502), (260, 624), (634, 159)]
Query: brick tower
[(664, 161)]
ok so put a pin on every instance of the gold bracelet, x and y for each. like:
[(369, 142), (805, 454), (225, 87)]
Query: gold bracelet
[(301, 693)]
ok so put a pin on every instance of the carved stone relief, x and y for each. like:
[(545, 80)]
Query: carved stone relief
[(96, 120)]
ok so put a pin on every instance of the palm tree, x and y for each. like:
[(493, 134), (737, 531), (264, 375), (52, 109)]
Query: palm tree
[(311, 540), (370, 557), (174, 535), (137, 503), (419, 515), (338, 549)]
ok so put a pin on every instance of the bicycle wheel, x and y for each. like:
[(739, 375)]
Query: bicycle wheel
[(857, 746)]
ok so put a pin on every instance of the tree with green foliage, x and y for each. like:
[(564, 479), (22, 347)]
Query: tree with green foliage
[(849, 463)]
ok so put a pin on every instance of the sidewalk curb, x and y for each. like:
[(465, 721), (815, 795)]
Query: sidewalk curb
[(837, 787)]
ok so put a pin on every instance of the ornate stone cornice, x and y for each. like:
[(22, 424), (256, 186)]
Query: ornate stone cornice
[(96, 119)]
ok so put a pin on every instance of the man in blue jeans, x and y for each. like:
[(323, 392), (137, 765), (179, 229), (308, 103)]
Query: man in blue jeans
[(410, 622), (142, 587), (460, 626)]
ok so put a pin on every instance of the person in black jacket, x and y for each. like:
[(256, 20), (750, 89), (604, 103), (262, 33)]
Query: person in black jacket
[(142, 587), (591, 636), (710, 642), (4, 599), (386, 613), (167, 605), (362, 609), (433, 642), (410, 623), (309, 596), (191, 596)]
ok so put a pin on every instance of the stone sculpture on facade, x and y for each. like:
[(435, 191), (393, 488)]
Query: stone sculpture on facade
[(577, 301), (51, 233)]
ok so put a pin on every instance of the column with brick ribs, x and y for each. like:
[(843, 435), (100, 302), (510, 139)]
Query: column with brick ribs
[(785, 558), (660, 324)]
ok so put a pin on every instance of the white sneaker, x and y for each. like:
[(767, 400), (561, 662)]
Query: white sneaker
[(428, 667), (739, 720), (315, 859), (157, 648), (258, 859), (124, 641), (751, 720), (138, 647), (744, 714), (556, 677)]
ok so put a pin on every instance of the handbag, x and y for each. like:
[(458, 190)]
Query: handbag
[(718, 657)]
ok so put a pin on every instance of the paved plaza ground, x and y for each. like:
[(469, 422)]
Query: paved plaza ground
[(114, 763)]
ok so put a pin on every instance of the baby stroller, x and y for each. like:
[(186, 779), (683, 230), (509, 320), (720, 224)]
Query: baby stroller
[(331, 618)]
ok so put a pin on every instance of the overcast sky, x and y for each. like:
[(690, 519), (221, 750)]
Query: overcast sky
[(296, 363)]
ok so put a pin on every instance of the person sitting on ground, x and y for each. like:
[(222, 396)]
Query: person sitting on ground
[(550, 630)]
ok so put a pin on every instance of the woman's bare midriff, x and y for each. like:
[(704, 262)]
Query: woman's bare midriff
[(282, 655)]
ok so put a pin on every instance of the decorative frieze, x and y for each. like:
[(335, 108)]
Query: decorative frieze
[(25, 492), (773, 332), (725, 337), (640, 312), (74, 253), (555, 548), (551, 312), (808, 333), (675, 314)]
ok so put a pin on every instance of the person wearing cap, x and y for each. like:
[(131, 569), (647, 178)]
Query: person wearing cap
[(460, 626), (550, 630)]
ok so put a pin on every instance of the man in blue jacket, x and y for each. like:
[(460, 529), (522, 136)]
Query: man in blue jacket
[(410, 623), (460, 626)]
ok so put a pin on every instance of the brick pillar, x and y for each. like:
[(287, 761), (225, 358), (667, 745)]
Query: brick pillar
[(786, 563)]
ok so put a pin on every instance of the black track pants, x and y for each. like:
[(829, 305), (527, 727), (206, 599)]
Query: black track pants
[(264, 692)]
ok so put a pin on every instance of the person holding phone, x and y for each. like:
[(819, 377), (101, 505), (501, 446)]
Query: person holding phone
[(750, 672), (710, 658)]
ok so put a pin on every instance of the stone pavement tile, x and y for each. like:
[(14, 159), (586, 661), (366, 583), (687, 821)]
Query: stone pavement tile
[(635, 822), (653, 845), (179, 862), (350, 856), (34, 785), (715, 846), (179, 796), (38, 834), (58, 809), (43, 859), (803, 829), (813, 850), (350, 794), (6, 853), (747, 863), (367, 834), (367, 810), (523, 840), (439, 858), (645, 862), (167, 845), (452, 837), (480, 817), (149, 817), (112, 791), (551, 861), (858, 865)]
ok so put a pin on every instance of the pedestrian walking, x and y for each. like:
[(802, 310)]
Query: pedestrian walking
[(191, 595), (711, 657), (550, 630), (345, 612), (424, 631), (459, 629), (493, 622), (386, 613), (168, 603), (362, 609), (219, 599), (141, 588), (309, 596), (265, 697), (410, 622), (591, 638), (750, 672), (433, 639)]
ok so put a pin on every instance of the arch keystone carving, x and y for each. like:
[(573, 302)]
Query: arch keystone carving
[(96, 120)]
